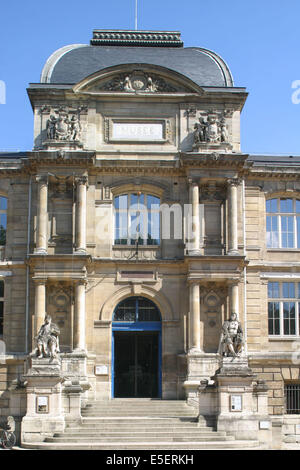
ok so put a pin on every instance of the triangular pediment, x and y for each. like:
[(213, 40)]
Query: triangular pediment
[(137, 78)]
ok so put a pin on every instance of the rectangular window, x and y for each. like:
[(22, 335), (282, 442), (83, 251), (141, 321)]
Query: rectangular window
[(137, 219), (1, 306), (3, 220), (283, 313), (274, 318), (292, 398), (283, 223), (272, 231)]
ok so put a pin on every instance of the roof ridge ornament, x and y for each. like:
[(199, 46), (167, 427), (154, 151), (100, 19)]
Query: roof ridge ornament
[(135, 38)]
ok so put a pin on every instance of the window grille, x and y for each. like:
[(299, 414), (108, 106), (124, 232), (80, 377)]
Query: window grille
[(292, 398)]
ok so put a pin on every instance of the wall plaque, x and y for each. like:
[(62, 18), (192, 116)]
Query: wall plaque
[(236, 403), (42, 404), (137, 131), (264, 425), (101, 370)]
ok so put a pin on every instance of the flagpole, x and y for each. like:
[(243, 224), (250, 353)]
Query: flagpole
[(136, 15)]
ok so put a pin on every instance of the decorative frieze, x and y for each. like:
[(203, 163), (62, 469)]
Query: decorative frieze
[(136, 38)]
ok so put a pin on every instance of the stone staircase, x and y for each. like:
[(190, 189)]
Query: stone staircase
[(143, 424)]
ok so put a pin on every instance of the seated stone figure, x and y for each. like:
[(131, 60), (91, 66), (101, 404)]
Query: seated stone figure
[(231, 340), (47, 339)]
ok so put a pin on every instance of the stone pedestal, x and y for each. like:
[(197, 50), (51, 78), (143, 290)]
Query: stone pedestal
[(242, 402), (44, 415), (75, 386), (200, 366)]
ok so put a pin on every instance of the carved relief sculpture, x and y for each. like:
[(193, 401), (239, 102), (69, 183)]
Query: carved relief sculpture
[(211, 128), (63, 126), (47, 339), (231, 340), (138, 81)]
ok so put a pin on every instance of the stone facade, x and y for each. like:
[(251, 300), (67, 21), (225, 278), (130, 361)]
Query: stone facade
[(132, 130)]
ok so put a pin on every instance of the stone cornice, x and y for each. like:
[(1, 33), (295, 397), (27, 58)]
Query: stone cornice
[(274, 173), (214, 160)]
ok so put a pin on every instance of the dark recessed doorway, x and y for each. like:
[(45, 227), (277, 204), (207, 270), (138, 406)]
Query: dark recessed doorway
[(136, 349), (136, 364)]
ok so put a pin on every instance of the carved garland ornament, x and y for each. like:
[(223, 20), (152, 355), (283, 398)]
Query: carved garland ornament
[(137, 81)]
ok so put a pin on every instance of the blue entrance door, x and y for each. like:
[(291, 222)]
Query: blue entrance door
[(136, 349)]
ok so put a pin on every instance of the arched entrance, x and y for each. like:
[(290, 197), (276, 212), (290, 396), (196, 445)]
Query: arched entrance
[(136, 349)]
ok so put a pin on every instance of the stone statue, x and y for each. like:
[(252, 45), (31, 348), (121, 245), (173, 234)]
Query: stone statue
[(127, 84), (51, 127), (47, 339), (75, 128), (231, 340), (224, 132)]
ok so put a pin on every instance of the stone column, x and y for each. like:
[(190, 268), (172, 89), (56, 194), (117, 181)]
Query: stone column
[(234, 299), (195, 328), (42, 215), (195, 235), (81, 215), (40, 305), (79, 316), (232, 217)]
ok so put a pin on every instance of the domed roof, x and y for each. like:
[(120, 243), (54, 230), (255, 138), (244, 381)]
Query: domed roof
[(73, 63)]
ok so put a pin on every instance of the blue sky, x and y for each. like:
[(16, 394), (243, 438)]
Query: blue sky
[(259, 40)]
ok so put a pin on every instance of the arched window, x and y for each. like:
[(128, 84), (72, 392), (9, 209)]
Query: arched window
[(3, 219), (136, 309), (283, 223), (137, 219)]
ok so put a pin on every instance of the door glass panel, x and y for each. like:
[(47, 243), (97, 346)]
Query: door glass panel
[(136, 364), (124, 370)]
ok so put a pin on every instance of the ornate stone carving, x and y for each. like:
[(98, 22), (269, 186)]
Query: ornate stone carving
[(136, 38), (211, 128), (64, 123), (137, 81), (231, 340), (212, 192), (47, 339), (234, 182)]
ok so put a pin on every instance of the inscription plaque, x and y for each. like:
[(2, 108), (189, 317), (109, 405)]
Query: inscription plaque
[(137, 131)]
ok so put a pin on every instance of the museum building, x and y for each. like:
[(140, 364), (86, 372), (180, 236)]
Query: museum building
[(139, 226)]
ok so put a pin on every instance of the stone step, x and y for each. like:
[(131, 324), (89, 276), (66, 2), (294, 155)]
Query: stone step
[(126, 427), (157, 433), (186, 446), (139, 407), (144, 405), (140, 419), (141, 439), (137, 413)]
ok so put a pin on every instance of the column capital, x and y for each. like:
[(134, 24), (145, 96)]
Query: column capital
[(80, 282), (81, 180), (42, 179), (40, 282), (192, 182), (234, 182)]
